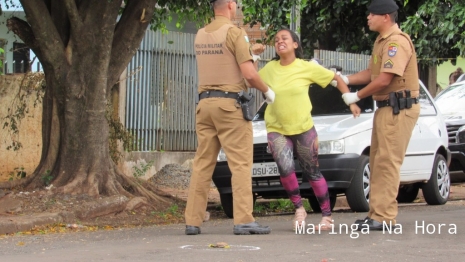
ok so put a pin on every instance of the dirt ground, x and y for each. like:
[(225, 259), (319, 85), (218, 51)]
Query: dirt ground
[(14, 203), (18, 203)]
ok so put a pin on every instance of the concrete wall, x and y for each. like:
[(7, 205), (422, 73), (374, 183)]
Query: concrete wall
[(446, 68), (30, 136), (30, 132), (160, 159)]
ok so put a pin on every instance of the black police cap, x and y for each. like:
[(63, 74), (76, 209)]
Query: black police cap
[(381, 7)]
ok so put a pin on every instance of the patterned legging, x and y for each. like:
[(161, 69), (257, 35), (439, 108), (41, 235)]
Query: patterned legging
[(305, 146)]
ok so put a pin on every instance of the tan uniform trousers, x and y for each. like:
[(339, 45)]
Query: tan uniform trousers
[(390, 137), (219, 123)]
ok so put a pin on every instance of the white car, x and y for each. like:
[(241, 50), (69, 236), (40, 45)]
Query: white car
[(451, 103), (344, 146)]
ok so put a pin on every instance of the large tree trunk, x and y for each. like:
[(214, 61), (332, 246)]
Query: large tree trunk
[(83, 50)]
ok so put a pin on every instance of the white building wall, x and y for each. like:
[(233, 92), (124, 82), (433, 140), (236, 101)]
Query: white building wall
[(9, 37)]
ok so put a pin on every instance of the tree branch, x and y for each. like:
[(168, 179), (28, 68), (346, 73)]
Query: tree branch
[(46, 35), (73, 15), (129, 32), (22, 29)]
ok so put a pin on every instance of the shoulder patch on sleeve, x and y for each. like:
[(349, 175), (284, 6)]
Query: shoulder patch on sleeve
[(392, 49), (388, 64)]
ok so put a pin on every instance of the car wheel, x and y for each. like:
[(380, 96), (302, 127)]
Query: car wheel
[(227, 203), (407, 193), (315, 205), (358, 192), (436, 191)]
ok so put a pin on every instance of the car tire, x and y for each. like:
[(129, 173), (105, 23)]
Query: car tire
[(408, 193), (227, 203), (315, 205), (437, 190), (358, 192)]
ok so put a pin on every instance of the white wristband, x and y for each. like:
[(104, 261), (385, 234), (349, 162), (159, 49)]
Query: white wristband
[(255, 58)]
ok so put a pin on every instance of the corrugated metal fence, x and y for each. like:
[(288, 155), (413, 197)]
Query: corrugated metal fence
[(350, 63), (162, 90), (162, 93)]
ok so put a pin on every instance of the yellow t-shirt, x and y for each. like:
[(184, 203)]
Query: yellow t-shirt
[(290, 112)]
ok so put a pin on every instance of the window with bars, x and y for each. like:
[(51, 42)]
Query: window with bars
[(20, 58)]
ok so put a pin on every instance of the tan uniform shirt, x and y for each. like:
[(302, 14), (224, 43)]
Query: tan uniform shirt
[(394, 53), (238, 44)]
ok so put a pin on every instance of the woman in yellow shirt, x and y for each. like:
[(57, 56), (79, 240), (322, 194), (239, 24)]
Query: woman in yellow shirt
[(289, 123)]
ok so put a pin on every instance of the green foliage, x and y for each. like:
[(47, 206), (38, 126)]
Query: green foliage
[(140, 171), (117, 133), (171, 212), (438, 30), (18, 173), (278, 206), (271, 14), (259, 208), (31, 84), (173, 209), (336, 25), (198, 11), (437, 27), (47, 178)]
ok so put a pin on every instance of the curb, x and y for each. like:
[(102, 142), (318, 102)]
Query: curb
[(13, 224)]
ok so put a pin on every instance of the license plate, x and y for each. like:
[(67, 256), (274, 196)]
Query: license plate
[(265, 169)]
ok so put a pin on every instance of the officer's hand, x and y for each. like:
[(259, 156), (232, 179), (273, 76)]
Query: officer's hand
[(269, 96), (355, 110), (344, 78), (258, 49), (350, 98)]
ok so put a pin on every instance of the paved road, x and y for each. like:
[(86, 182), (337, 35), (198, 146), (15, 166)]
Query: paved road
[(168, 243)]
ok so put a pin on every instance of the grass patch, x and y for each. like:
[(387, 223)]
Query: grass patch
[(278, 206)]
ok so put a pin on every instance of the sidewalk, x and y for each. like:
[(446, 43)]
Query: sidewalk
[(17, 223)]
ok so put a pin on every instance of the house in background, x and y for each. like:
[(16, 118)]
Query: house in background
[(17, 56)]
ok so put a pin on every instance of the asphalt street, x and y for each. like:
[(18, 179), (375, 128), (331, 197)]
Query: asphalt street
[(429, 233)]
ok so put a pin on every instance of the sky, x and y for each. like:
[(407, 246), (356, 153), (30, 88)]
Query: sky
[(14, 2)]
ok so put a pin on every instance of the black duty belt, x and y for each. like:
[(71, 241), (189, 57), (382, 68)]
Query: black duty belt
[(385, 103), (217, 93)]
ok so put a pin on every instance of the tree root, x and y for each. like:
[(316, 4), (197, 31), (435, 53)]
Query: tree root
[(120, 192), (101, 207), (17, 183), (148, 191)]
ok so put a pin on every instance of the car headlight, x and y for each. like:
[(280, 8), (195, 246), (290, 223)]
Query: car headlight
[(331, 147), (221, 156), (460, 137)]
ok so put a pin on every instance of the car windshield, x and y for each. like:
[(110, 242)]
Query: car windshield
[(452, 99), (327, 101)]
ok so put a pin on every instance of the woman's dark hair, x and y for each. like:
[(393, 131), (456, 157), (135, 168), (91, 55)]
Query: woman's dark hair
[(299, 52), (456, 74)]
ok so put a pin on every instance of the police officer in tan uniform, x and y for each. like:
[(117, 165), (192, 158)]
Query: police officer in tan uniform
[(392, 76), (225, 63)]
